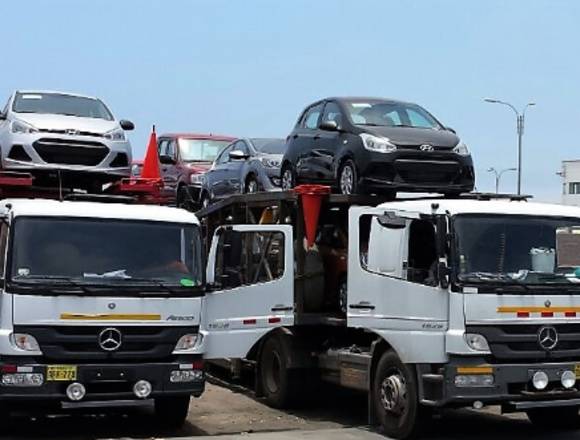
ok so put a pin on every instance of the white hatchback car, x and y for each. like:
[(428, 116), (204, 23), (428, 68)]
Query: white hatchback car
[(64, 137)]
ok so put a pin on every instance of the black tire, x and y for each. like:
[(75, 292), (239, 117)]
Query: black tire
[(280, 385), (396, 398), (287, 177), (205, 201), (562, 418), (172, 411), (183, 199), (251, 186), (347, 180)]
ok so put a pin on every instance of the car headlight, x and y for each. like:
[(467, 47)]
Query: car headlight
[(22, 127), (188, 342), (378, 144), (270, 163), (196, 179), (24, 342), (118, 134), (476, 342), (461, 149)]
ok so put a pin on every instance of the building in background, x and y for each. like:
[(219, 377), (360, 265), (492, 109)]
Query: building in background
[(571, 182)]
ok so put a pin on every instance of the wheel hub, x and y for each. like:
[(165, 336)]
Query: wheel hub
[(346, 180), (287, 179), (394, 393)]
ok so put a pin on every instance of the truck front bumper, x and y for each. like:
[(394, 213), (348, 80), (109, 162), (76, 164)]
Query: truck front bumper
[(511, 385), (103, 382)]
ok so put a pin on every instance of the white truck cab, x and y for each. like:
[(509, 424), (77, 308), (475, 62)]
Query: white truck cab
[(449, 302), (99, 304)]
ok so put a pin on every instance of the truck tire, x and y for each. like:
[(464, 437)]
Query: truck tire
[(396, 398), (172, 411), (280, 385), (555, 418)]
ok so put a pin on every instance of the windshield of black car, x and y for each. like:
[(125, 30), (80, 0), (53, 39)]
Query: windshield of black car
[(517, 249), (270, 146), (59, 104), (390, 114), (104, 251), (204, 150)]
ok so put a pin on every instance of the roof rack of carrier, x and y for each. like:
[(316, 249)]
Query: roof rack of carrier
[(495, 196)]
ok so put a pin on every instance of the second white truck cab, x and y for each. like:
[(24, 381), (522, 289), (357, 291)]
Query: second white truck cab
[(466, 302), (99, 305)]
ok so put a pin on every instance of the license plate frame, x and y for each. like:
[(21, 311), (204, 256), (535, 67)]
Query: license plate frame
[(61, 373)]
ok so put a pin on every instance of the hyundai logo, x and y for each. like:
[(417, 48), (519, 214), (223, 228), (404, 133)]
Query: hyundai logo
[(110, 339), (547, 338), (426, 147)]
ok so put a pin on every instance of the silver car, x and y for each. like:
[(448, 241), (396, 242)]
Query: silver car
[(63, 138)]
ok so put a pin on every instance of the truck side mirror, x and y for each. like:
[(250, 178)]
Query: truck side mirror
[(391, 221), (166, 159)]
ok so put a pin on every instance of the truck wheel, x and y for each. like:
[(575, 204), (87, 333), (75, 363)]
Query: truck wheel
[(280, 384), (172, 411), (555, 418), (395, 396)]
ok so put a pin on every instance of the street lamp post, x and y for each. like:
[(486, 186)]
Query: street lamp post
[(498, 175), (520, 118)]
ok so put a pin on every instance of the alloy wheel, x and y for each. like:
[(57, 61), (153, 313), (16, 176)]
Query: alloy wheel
[(287, 179), (346, 180)]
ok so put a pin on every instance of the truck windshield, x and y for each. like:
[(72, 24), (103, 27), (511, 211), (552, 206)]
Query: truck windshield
[(524, 250), (104, 252), (60, 104), (202, 150)]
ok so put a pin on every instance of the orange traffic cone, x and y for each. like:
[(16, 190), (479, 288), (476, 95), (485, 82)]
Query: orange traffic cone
[(151, 163), (312, 196)]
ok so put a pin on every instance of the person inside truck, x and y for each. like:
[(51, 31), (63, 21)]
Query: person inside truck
[(422, 253)]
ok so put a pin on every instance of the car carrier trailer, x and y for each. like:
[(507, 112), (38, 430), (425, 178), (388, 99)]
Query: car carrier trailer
[(470, 301)]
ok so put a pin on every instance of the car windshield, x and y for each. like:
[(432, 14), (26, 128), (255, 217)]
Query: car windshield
[(204, 150), (513, 249), (390, 114), (59, 104), (270, 146), (104, 251)]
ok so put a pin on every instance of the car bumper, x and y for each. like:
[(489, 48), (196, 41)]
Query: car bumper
[(106, 382), (439, 171), (511, 388)]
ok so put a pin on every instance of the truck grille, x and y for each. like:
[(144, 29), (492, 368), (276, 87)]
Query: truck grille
[(70, 152), (80, 343), (513, 343)]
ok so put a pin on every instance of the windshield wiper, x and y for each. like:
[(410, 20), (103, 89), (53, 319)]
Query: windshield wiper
[(57, 284)]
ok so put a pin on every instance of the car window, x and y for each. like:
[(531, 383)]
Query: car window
[(241, 146), (390, 113), (310, 118), (162, 147), (60, 104), (332, 113), (417, 119), (170, 150), (225, 155)]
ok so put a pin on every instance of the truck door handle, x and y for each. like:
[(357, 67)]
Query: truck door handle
[(362, 306), (280, 308)]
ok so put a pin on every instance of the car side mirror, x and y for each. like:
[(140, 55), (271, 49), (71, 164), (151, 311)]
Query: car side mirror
[(126, 125), (328, 126), (451, 130), (167, 160), (238, 155)]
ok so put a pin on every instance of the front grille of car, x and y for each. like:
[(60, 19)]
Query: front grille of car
[(519, 343), (80, 343), (70, 152), (432, 170), (71, 132)]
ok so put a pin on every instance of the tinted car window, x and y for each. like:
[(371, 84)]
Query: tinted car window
[(241, 146), (332, 112), (200, 149), (225, 155), (170, 148), (390, 113), (270, 146), (57, 104), (310, 119)]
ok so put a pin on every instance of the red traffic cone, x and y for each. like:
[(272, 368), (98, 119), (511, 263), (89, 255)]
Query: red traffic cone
[(311, 196), (151, 163)]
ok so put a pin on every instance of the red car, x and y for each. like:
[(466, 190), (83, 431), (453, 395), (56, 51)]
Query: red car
[(185, 157)]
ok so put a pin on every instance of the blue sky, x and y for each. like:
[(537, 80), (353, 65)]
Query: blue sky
[(247, 68)]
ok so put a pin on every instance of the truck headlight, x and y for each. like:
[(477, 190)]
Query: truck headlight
[(196, 179), (22, 127), (188, 342), (24, 342), (116, 135), (377, 144), (476, 342), (461, 149)]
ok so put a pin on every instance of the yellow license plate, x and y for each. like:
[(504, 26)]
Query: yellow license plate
[(61, 373)]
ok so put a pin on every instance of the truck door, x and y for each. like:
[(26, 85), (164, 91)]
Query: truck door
[(251, 268)]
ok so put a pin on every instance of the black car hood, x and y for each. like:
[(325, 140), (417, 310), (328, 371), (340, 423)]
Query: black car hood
[(416, 136)]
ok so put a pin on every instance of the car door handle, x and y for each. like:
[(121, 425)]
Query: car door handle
[(281, 308), (363, 305)]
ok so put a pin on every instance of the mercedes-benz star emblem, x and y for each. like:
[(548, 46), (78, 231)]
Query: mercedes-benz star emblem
[(110, 339), (426, 147), (111, 306), (547, 338)]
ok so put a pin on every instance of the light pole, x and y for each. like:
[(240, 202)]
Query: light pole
[(520, 130), (498, 176)]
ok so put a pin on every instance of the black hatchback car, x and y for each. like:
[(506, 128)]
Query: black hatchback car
[(370, 145)]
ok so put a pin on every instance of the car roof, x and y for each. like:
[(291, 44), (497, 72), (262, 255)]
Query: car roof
[(117, 211), (364, 99), (56, 92), (217, 137)]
